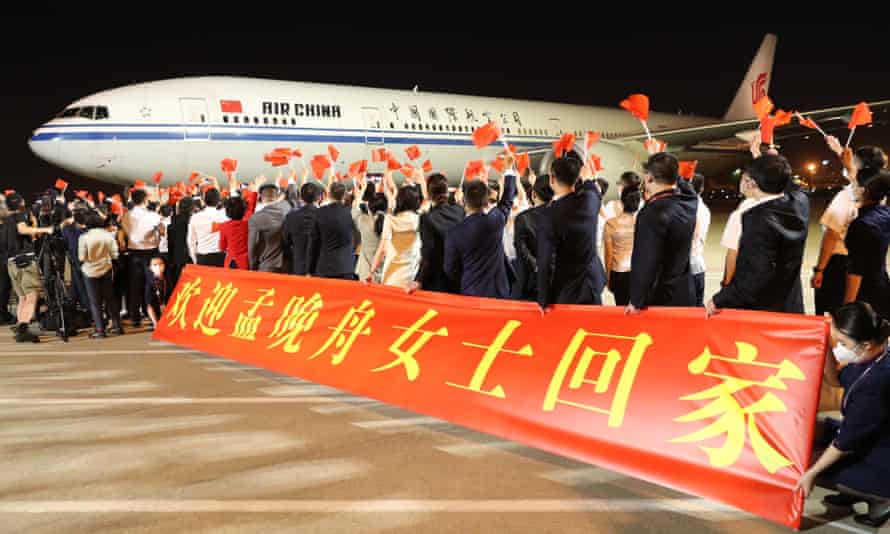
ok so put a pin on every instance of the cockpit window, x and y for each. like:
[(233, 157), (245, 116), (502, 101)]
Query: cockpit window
[(101, 113), (70, 112), (87, 112)]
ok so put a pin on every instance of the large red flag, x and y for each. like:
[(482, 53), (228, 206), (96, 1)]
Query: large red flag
[(763, 107), (638, 105), (486, 135)]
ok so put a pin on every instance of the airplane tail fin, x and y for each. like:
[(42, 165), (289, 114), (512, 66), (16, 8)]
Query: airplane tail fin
[(756, 83)]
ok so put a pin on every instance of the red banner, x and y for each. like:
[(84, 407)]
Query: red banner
[(722, 408)]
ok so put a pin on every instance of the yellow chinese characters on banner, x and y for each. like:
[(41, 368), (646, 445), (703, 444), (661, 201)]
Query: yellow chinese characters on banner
[(407, 357), (735, 421), (247, 325), (296, 320), (611, 358), (491, 354), (354, 323)]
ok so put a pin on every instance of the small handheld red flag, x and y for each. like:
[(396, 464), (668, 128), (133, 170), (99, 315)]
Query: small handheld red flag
[(283, 150), (138, 184), (319, 165), (486, 135), (335, 154), (427, 166), (8, 192), (638, 105), (61, 185), (82, 194), (499, 165), (408, 170), (474, 170), (595, 162), (566, 143), (358, 168), (194, 176), (687, 169), (807, 122), (393, 164), (157, 177), (523, 162), (590, 139), (279, 162), (282, 183), (379, 155), (297, 153), (229, 165), (767, 126), (783, 118), (413, 152), (861, 116)]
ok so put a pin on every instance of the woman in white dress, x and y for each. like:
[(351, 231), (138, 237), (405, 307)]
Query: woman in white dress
[(399, 249), (368, 211)]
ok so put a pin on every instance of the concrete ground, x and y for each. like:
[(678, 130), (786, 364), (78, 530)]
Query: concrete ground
[(129, 435)]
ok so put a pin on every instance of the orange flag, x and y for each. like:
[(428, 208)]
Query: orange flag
[(590, 139), (687, 169), (279, 162), (61, 185), (763, 107), (595, 162), (297, 153), (335, 154), (194, 176), (523, 162), (783, 118), (427, 166), (638, 105), (566, 143), (486, 135), (498, 164), (379, 155), (767, 125), (511, 148), (138, 184), (282, 183), (283, 150), (407, 170), (413, 152), (319, 165), (157, 177), (861, 116)]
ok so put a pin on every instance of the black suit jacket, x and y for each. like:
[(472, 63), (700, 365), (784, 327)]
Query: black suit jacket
[(299, 226), (525, 241), (434, 226), (332, 250), (474, 249), (767, 275), (177, 239), (569, 268), (660, 274)]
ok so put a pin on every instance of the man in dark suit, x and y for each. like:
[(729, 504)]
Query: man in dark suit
[(569, 268), (332, 249), (525, 240), (774, 234), (660, 273), (434, 226), (474, 249), (299, 226)]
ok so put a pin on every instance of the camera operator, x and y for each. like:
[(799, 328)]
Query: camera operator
[(22, 265)]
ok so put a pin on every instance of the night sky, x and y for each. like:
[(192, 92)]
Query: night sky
[(47, 63)]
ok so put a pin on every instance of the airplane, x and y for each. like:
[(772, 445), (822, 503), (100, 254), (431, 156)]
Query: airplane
[(187, 125)]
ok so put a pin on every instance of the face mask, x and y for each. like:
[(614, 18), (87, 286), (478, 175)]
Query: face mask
[(844, 355), (157, 270)]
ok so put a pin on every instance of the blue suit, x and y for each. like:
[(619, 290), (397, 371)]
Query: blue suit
[(474, 249)]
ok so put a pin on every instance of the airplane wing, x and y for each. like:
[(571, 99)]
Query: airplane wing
[(828, 119)]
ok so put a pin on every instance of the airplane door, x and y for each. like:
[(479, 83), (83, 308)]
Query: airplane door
[(373, 126), (555, 128), (195, 118)]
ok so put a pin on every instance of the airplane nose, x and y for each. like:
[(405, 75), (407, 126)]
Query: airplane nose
[(44, 147)]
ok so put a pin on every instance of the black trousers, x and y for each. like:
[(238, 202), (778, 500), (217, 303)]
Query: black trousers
[(212, 260), (101, 292), (619, 285), (699, 280), (830, 296), (138, 273)]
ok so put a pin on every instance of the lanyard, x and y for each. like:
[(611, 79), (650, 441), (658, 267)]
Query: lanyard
[(856, 382)]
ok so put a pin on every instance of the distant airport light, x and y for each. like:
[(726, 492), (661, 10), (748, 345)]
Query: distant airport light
[(825, 163), (811, 167)]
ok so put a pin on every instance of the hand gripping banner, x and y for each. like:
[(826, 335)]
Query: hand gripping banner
[(722, 408)]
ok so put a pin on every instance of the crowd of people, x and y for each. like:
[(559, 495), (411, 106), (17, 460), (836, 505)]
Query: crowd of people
[(547, 239)]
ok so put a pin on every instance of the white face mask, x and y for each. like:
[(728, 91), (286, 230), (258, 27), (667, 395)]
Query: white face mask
[(157, 270), (844, 355)]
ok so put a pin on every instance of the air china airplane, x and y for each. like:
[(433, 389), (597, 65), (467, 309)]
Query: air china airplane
[(189, 125)]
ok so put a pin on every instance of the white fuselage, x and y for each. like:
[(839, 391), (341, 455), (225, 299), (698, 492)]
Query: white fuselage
[(185, 125)]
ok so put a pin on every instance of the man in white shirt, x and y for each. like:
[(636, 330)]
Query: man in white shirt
[(143, 228), (699, 237), (203, 240)]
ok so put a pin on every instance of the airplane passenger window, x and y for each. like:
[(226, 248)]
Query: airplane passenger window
[(101, 113), (293, 122), (508, 130), (275, 121), (246, 119), (256, 120), (225, 119), (235, 119), (406, 126), (392, 126), (87, 112), (265, 120)]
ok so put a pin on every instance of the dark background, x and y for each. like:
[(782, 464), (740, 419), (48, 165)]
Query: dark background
[(50, 61)]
